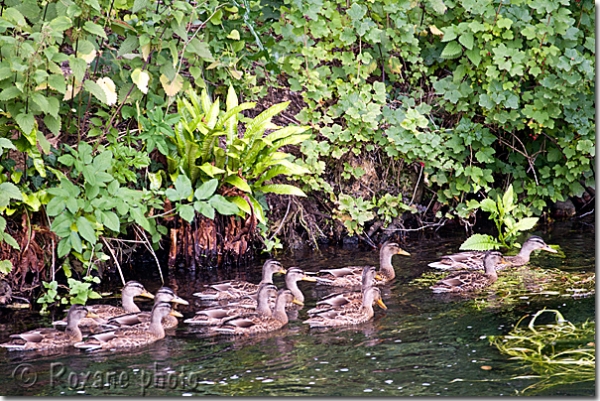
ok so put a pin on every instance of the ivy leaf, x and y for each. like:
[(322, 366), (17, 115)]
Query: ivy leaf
[(356, 12), (95, 29)]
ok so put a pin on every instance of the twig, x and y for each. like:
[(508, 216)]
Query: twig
[(115, 259), (147, 245), (282, 220), (417, 185)]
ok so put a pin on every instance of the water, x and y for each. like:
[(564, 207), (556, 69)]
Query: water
[(422, 345)]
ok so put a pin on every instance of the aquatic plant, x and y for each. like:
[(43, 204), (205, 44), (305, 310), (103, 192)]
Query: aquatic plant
[(559, 353)]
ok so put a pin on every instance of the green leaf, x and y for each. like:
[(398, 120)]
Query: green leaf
[(222, 205), (9, 191), (10, 93), (111, 221), (466, 39), (186, 212), (94, 29), (241, 203), (64, 247), (526, 223), (78, 66), (75, 241), (489, 206), (205, 209), (508, 197), (480, 242), (474, 55), (452, 50), (282, 189), (239, 183), (53, 124), (211, 170), (207, 189), (138, 5), (86, 230), (95, 90), (61, 24)]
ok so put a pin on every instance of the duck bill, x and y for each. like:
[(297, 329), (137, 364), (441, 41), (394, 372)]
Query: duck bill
[(311, 279), (147, 295), (180, 301), (381, 304), (92, 315), (403, 252), (297, 302), (378, 277), (282, 271), (548, 249), (175, 313)]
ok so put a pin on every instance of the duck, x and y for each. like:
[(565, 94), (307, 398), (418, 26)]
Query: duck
[(164, 294), (470, 280), (49, 339), (351, 276), (104, 312), (349, 316), (347, 300), (131, 337), (473, 260), (255, 324), (236, 289), (219, 315)]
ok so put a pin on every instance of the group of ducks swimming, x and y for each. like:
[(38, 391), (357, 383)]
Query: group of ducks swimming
[(244, 308)]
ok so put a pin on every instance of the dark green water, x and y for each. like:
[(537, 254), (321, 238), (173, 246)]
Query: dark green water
[(422, 345)]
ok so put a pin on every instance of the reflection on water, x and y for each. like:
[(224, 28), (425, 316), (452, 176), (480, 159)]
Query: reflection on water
[(422, 345)]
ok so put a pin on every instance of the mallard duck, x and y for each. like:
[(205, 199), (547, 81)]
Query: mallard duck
[(104, 312), (347, 300), (45, 339), (349, 316), (164, 294), (236, 288), (351, 276), (221, 314), (466, 281), (259, 324), (131, 337), (473, 260)]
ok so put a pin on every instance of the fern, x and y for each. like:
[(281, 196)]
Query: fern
[(480, 242)]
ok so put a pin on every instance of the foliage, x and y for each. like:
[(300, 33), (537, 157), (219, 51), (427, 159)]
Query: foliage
[(78, 292), (507, 217), (206, 155), (559, 352)]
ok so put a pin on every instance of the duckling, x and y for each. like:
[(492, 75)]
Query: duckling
[(131, 337), (465, 281), (259, 324), (45, 339), (347, 300), (351, 276), (349, 316), (221, 314), (104, 312), (236, 289), (164, 294), (473, 260)]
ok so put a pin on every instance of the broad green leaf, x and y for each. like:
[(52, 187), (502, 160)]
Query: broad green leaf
[(95, 90), (111, 221), (94, 29), (480, 242), (86, 230), (211, 170), (241, 203), (526, 223), (489, 206), (222, 205), (452, 50), (9, 191), (508, 197), (61, 23), (140, 79), (186, 212), (138, 5), (75, 241), (64, 247), (207, 189), (10, 93), (173, 87), (239, 183), (205, 209), (258, 210), (282, 189), (466, 39), (9, 239)]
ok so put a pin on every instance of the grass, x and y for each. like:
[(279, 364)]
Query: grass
[(558, 353)]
